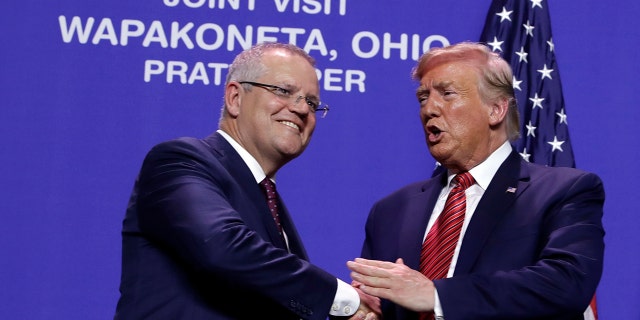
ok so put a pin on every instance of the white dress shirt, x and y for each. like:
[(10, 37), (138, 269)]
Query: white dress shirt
[(346, 300), (482, 173)]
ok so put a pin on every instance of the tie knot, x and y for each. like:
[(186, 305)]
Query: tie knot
[(464, 180), (269, 188)]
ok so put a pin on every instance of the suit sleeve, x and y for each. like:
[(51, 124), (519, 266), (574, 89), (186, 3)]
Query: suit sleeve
[(185, 205), (565, 267)]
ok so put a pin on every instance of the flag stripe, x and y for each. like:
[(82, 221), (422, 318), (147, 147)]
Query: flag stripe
[(520, 31)]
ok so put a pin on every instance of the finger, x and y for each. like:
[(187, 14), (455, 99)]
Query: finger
[(358, 277), (362, 269), (373, 278), (374, 305), (371, 316), (368, 270), (377, 291), (375, 263), (354, 266)]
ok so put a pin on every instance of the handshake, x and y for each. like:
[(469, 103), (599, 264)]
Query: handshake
[(393, 281)]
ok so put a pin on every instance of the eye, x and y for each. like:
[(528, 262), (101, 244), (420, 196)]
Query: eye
[(422, 94), (449, 92), (312, 104), (281, 92)]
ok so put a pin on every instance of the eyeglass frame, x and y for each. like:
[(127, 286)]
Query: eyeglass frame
[(287, 94)]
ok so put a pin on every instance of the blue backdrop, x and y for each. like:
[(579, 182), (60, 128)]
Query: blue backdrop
[(87, 87)]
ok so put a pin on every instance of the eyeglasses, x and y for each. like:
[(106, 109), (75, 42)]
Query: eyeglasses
[(314, 104)]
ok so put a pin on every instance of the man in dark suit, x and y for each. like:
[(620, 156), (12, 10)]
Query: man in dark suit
[(530, 242), (200, 240)]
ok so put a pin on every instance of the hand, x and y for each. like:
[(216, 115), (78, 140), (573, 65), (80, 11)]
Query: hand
[(361, 315), (395, 282), (369, 308)]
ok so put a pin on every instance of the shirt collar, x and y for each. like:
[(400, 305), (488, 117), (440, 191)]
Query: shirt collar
[(484, 172), (248, 159)]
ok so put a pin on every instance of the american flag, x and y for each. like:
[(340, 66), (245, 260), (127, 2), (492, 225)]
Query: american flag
[(520, 31)]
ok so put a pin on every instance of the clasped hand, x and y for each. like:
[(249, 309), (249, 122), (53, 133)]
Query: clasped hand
[(369, 308), (393, 281)]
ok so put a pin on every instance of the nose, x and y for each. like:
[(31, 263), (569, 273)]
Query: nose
[(431, 108), (299, 106)]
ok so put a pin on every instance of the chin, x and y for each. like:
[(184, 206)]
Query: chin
[(292, 151), (438, 154)]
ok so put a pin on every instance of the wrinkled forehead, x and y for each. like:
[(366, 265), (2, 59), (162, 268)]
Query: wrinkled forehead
[(437, 58), (449, 73)]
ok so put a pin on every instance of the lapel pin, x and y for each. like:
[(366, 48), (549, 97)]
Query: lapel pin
[(512, 189)]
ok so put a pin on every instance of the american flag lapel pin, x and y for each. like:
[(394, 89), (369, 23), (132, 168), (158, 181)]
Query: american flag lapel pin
[(512, 189)]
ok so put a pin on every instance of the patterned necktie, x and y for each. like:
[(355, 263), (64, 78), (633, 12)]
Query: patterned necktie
[(441, 241), (272, 200)]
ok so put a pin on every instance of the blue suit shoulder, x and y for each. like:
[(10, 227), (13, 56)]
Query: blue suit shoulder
[(183, 149), (562, 175), (410, 189), (182, 144)]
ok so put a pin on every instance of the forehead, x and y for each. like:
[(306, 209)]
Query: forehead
[(286, 66), (449, 73)]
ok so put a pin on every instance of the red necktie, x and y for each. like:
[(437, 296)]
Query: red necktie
[(441, 241), (272, 200)]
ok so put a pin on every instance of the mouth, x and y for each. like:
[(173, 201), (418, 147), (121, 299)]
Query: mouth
[(291, 124), (433, 133)]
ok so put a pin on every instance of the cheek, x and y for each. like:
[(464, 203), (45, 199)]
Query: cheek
[(458, 120), (308, 132), (469, 122)]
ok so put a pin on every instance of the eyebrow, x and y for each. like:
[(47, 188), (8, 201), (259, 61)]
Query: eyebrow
[(436, 85), (298, 88), (443, 84), (313, 97)]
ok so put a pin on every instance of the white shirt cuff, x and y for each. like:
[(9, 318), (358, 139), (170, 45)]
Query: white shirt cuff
[(437, 308), (346, 302)]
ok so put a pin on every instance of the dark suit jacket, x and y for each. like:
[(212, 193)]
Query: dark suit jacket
[(198, 242), (534, 253)]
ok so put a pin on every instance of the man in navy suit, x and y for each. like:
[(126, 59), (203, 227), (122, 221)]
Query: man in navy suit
[(199, 240), (531, 245)]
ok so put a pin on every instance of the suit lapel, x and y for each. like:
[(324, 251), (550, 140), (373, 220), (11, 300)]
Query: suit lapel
[(508, 183), (295, 242), (241, 174), (415, 225)]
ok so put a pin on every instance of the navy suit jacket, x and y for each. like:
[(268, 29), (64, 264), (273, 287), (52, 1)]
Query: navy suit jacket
[(199, 242), (533, 252)]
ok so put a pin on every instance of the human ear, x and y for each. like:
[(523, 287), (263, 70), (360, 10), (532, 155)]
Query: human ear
[(232, 98), (498, 111)]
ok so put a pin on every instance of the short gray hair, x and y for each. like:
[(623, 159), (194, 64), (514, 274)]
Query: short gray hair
[(248, 64)]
